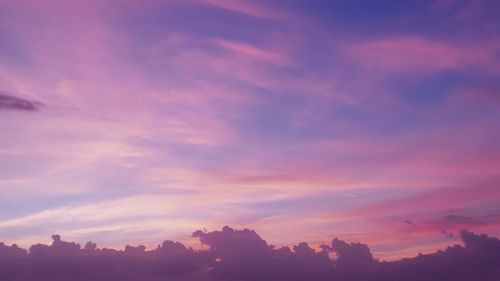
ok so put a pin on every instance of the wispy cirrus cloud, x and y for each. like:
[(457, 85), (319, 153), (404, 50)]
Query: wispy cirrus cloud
[(252, 8), (413, 53)]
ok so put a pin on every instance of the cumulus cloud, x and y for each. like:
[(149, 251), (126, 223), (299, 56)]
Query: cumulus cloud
[(244, 255), (16, 103)]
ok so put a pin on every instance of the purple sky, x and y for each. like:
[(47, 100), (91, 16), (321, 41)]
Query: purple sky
[(136, 121)]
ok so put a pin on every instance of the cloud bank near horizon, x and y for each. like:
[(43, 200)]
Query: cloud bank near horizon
[(243, 255)]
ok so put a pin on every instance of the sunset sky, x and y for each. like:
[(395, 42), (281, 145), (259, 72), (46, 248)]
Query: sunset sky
[(137, 121)]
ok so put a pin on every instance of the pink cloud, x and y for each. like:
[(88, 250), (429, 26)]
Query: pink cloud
[(249, 8), (486, 94), (421, 54), (252, 52)]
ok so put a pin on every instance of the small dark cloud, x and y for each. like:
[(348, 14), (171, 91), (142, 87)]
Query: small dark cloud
[(9, 102), (457, 219), (448, 234), (461, 220), (409, 222)]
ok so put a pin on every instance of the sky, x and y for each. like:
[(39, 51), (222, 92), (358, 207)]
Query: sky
[(138, 121)]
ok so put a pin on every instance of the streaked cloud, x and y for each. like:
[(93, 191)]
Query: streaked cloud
[(15, 103), (252, 8)]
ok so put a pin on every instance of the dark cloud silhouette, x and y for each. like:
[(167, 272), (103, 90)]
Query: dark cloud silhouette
[(243, 255), (16, 103)]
